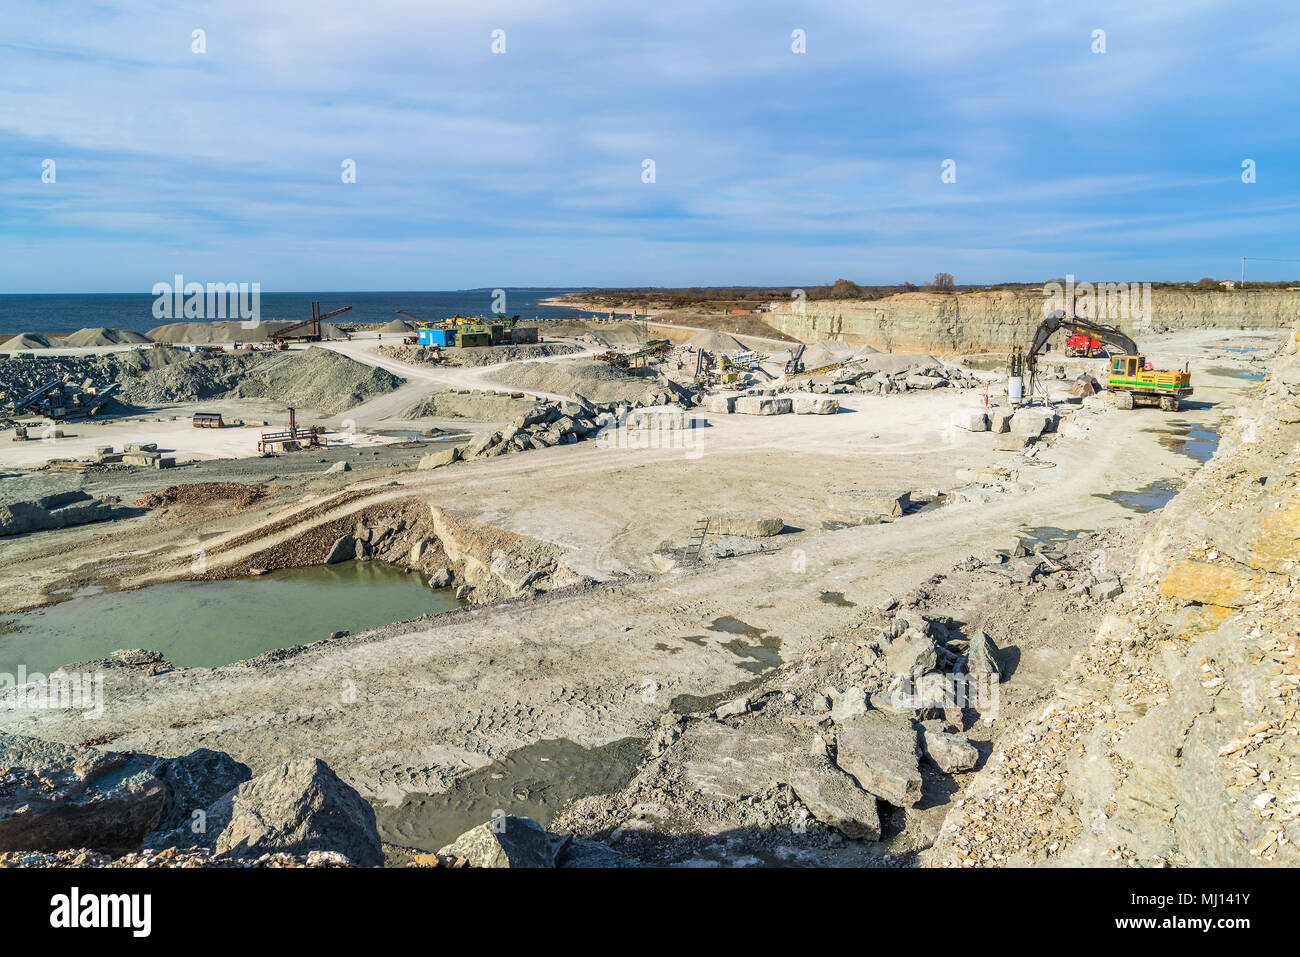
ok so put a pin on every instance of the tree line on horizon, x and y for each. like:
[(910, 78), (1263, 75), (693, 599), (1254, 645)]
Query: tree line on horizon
[(740, 296)]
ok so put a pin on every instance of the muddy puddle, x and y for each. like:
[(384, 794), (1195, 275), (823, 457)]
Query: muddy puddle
[(1194, 442), (760, 651), (534, 781), (1149, 498), (1048, 535), (835, 598), (205, 624), (1232, 373)]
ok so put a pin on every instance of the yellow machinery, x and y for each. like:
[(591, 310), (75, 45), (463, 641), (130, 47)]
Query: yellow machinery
[(1129, 379)]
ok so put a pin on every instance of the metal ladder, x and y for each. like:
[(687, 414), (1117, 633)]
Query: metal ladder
[(696, 543)]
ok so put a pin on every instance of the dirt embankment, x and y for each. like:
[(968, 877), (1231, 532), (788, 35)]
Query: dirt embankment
[(408, 531)]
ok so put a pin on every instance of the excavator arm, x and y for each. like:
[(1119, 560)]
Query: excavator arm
[(1107, 334)]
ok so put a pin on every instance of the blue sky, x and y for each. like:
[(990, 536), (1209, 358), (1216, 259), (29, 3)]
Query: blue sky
[(525, 168)]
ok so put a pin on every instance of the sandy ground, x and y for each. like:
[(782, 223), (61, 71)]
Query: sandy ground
[(409, 707), (171, 429)]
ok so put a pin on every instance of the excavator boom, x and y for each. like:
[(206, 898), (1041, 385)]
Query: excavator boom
[(1109, 335)]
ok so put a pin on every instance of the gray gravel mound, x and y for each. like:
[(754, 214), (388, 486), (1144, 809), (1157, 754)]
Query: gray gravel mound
[(598, 381), (318, 379), (103, 336)]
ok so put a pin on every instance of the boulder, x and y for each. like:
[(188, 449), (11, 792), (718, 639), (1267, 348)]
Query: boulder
[(508, 841), (925, 381), (343, 549), (745, 524), (61, 510), (1011, 442), (481, 443), (658, 417), (763, 405), (1000, 419), (732, 709), (56, 797), (442, 578), (1033, 422), (833, 798), (815, 405), (880, 751), (847, 704), (300, 806), (866, 506), (194, 781), (436, 460), (583, 853), (1105, 590), (982, 656), (972, 420), (948, 752), (912, 653)]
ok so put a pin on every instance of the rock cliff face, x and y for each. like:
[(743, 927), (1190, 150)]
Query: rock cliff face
[(995, 320), (1174, 736)]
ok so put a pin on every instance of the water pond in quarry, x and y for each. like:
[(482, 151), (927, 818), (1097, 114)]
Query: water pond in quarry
[(205, 624)]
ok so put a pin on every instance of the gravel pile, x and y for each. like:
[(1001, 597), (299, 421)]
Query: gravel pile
[(236, 494), (18, 377), (598, 381), (885, 373), (722, 342), (482, 406), (223, 331), (29, 340), (619, 335), (103, 336), (318, 379)]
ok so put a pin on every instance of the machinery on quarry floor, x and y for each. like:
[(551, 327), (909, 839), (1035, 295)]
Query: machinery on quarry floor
[(312, 331), (59, 400), (655, 349), (293, 438), (1131, 379)]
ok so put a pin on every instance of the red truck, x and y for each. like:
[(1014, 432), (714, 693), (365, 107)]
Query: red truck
[(1081, 344)]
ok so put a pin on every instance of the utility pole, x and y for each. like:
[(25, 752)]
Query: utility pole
[(1243, 272)]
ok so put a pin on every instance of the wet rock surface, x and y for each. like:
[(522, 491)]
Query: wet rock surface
[(55, 796)]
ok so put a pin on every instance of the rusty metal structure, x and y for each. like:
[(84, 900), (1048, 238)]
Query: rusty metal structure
[(313, 333), (310, 437)]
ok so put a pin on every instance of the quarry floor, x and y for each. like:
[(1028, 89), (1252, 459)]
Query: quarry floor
[(410, 707)]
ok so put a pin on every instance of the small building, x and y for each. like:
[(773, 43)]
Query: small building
[(524, 335), (1228, 284), (473, 337), (208, 420), (436, 337)]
